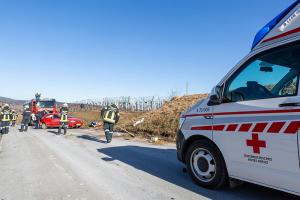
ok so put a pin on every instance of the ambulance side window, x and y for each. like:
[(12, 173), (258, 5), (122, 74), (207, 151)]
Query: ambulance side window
[(269, 75)]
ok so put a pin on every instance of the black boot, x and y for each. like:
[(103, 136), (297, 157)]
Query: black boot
[(108, 139), (26, 128), (22, 128), (110, 136)]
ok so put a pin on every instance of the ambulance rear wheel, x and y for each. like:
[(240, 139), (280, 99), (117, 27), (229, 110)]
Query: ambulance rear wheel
[(205, 165)]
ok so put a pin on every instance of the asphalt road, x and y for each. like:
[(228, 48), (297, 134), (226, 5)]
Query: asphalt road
[(42, 165)]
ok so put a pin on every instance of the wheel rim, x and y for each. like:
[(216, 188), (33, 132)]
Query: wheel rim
[(44, 126), (203, 165)]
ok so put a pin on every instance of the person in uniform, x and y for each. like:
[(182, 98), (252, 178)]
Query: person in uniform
[(26, 118), (110, 115), (38, 117), (14, 115), (0, 123), (5, 117), (64, 111)]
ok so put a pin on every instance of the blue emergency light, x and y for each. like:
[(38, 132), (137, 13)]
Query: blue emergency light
[(267, 28)]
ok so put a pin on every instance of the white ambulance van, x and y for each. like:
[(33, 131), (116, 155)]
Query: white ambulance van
[(248, 128)]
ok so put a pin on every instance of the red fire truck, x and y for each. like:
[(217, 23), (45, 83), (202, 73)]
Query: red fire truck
[(48, 105)]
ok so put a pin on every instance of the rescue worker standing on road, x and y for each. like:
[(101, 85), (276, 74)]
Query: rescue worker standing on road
[(14, 115), (26, 118), (38, 118), (0, 123), (5, 117), (110, 115), (33, 119), (64, 111)]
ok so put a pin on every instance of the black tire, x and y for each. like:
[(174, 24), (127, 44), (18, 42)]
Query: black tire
[(219, 177)]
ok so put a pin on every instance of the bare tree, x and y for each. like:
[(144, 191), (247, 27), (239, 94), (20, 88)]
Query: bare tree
[(125, 103)]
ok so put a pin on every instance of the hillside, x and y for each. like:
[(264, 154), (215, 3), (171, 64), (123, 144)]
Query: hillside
[(162, 122), (11, 101)]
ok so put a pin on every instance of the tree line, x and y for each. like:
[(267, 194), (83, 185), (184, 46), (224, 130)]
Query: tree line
[(125, 103)]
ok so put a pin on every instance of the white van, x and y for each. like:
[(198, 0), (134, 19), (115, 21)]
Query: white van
[(248, 128)]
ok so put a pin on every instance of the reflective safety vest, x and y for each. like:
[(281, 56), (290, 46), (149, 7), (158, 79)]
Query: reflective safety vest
[(109, 116), (14, 117), (5, 116), (33, 117), (64, 116)]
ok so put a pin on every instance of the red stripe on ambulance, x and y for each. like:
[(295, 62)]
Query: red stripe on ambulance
[(260, 127), (297, 30), (293, 127), (209, 128), (246, 113), (245, 127), (276, 127), (202, 128), (232, 127)]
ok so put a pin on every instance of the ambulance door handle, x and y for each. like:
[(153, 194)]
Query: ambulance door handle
[(289, 104), (208, 117)]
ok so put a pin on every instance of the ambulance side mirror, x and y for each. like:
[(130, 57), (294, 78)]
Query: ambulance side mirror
[(215, 97)]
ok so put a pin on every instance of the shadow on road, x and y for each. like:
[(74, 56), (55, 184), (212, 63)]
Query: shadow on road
[(91, 138), (163, 164), (54, 132)]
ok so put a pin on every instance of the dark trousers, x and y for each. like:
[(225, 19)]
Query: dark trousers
[(63, 125), (37, 124), (13, 123), (5, 127), (24, 125), (108, 130)]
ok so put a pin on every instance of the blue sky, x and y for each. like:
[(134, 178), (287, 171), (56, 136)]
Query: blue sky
[(81, 49)]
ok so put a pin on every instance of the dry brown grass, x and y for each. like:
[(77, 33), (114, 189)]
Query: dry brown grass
[(164, 121), (87, 116)]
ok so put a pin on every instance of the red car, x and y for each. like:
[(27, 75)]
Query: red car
[(52, 121)]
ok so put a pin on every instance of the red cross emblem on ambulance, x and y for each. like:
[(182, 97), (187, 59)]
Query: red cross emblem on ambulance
[(256, 144)]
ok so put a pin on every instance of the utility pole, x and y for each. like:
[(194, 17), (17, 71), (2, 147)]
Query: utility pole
[(187, 88)]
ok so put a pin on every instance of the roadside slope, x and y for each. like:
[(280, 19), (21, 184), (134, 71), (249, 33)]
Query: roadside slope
[(164, 121)]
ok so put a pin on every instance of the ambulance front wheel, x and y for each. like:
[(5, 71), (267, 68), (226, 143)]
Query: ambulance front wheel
[(206, 165)]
